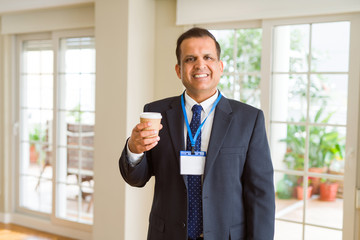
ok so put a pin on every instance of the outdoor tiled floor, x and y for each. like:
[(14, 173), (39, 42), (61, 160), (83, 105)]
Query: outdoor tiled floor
[(40, 199), (320, 213)]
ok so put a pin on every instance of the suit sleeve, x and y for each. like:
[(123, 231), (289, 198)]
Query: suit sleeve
[(139, 174), (259, 194)]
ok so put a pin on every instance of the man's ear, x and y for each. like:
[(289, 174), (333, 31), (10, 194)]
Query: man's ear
[(178, 70), (221, 66)]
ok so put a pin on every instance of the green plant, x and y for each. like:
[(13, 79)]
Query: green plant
[(285, 186), (36, 137), (76, 114), (325, 145), (36, 134), (247, 59)]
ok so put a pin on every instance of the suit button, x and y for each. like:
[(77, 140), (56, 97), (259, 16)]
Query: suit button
[(184, 225)]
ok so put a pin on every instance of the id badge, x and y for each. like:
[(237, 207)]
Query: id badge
[(192, 164)]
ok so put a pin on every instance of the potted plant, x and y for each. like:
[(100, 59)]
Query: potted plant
[(300, 189), (328, 190), (324, 147), (285, 187), (34, 138)]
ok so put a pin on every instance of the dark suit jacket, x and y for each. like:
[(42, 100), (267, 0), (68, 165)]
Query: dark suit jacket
[(238, 192)]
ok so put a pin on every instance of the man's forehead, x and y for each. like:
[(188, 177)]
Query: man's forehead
[(192, 43), (194, 39)]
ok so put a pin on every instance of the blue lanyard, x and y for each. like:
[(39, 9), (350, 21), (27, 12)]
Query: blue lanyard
[(193, 139)]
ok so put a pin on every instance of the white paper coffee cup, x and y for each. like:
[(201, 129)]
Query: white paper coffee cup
[(154, 118)]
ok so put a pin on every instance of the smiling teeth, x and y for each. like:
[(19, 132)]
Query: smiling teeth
[(200, 75)]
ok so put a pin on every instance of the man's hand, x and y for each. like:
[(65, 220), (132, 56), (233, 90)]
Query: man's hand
[(138, 143)]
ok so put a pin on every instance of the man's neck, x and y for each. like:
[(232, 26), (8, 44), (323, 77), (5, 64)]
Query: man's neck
[(199, 98)]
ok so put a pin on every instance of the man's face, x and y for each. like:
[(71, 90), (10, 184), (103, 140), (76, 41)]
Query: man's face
[(200, 69)]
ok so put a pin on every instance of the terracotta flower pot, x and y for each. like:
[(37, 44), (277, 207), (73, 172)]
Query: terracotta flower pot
[(300, 192), (315, 181), (328, 191), (34, 155)]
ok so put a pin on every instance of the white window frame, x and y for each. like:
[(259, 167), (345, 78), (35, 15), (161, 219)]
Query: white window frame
[(351, 220), (55, 37), (17, 101), (352, 141)]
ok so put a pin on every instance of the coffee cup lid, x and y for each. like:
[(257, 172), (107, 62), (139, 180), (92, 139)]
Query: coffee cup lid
[(151, 115)]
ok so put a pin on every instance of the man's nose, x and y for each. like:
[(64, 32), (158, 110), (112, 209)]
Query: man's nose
[(200, 63)]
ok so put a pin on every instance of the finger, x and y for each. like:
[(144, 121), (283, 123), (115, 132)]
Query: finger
[(148, 133), (139, 144), (142, 126), (151, 140), (151, 146)]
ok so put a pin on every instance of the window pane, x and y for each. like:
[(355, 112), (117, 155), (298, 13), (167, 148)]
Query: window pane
[(76, 120), (227, 84), (248, 55), (226, 40), (308, 124), (327, 148), (287, 230), (289, 97), (36, 194), (291, 48), (250, 90), (316, 233), (288, 146), (330, 47), (241, 55), (288, 204), (326, 209), (329, 98), (36, 103)]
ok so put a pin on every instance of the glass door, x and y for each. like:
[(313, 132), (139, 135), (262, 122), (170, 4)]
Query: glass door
[(36, 114), (308, 127), (57, 122)]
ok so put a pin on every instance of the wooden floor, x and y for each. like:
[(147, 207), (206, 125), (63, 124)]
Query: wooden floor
[(16, 232)]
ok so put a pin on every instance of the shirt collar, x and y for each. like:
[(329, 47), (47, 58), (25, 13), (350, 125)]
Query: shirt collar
[(206, 105)]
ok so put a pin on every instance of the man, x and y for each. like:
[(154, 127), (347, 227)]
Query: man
[(231, 196)]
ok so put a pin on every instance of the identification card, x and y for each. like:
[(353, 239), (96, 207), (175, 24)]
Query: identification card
[(192, 164)]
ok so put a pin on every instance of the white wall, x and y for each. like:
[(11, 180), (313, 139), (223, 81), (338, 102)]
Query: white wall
[(8, 6), (140, 90), (132, 69), (110, 121), (49, 20), (212, 11), (138, 68), (1, 126), (166, 81), (6, 123)]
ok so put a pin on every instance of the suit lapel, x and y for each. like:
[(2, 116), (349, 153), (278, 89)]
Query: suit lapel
[(221, 124), (175, 121)]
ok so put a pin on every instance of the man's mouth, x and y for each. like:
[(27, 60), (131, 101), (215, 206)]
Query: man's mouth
[(201, 75)]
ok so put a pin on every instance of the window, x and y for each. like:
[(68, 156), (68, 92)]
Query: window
[(309, 95), (57, 118), (36, 114), (75, 138), (241, 55), (309, 92)]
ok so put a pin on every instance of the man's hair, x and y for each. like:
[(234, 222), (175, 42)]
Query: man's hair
[(195, 33)]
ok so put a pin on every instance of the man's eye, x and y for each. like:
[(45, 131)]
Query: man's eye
[(208, 58), (190, 59)]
